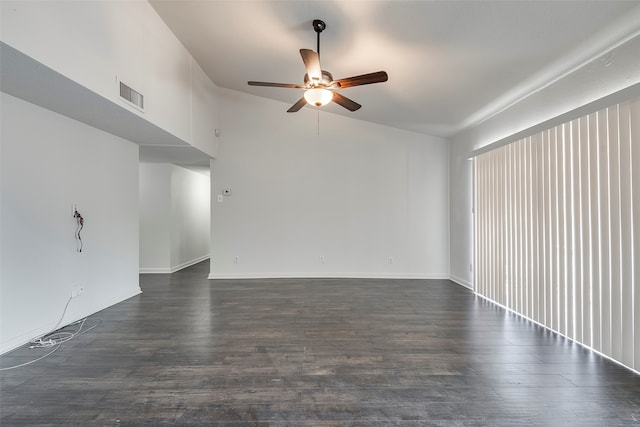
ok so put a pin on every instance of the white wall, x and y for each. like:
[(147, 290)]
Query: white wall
[(50, 162), (356, 195), (174, 217), (155, 217), (190, 217), (589, 83), (204, 111)]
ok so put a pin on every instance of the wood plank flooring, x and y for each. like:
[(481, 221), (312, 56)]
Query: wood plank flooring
[(325, 352)]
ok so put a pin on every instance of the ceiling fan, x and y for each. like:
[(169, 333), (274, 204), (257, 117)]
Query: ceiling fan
[(319, 86)]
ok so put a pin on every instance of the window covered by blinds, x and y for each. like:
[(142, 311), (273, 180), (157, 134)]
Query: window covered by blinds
[(557, 229)]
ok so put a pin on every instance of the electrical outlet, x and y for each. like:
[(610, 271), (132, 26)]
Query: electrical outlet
[(321, 259), (236, 260), (77, 291), (390, 260), (74, 209)]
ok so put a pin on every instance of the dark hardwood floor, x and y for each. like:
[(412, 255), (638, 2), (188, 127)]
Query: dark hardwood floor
[(326, 352)]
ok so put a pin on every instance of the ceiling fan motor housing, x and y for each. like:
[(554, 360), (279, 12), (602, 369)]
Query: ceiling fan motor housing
[(327, 78)]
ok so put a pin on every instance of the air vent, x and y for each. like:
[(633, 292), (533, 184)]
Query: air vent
[(132, 96)]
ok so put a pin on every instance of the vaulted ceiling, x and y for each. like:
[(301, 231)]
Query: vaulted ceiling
[(451, 64)]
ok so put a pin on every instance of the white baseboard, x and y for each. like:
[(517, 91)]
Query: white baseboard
[(325, 275), (460, 281), (165, 270), (154, 270), (72, 315)]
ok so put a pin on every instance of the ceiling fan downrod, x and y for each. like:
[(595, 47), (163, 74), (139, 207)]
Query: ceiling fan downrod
[(318, 27)]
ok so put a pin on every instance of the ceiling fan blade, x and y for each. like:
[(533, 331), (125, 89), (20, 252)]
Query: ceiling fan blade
[(286, 85), (311, 61), (345, 102), (297, 106), (364, 79)]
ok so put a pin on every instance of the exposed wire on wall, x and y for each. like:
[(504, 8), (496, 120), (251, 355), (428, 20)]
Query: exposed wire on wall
[(80, 226)]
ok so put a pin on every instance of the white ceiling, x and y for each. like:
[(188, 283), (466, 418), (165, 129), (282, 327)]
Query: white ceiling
[(451, 64)]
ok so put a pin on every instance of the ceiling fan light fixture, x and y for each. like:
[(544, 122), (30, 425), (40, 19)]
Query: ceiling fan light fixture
[(318, 96)]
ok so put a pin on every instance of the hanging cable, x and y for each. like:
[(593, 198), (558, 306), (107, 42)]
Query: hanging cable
[(55, 339), (31, 361)]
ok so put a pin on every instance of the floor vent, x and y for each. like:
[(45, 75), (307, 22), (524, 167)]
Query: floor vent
[(131, 95)]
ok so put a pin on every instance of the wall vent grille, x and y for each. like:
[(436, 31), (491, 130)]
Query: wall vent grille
[(132, 95)]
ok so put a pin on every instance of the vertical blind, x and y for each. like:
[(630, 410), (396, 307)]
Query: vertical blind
[(557, 229)]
